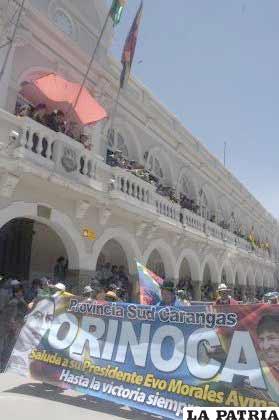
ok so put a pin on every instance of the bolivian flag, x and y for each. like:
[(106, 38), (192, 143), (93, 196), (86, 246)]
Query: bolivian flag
[(130, 47), (116, 10)]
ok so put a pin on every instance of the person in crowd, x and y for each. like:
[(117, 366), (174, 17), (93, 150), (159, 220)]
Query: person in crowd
[(123, 278), (183, 298), (111, 296), (33, 291), (271, 298), (87, 293), (106, 274), (115, 276), (25, 111), (58, 289), (223, 296), (11, 321), (98, 292), (60, 269), (85, 141), (39, 114), (46, 289), (55, 121), (168, 296)]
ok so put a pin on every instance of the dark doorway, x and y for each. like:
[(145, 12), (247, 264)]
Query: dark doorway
[(15, 248)]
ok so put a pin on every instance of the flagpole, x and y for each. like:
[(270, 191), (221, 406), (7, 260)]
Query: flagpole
[(91, 60)]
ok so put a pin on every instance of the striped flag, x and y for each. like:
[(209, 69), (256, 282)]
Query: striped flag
[(116, 10), (149, 283), (130, 47)]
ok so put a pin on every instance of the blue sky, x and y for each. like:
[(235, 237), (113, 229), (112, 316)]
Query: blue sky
[(215, 64)]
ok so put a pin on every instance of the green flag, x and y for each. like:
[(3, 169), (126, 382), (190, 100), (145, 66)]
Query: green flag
[(116, 10)]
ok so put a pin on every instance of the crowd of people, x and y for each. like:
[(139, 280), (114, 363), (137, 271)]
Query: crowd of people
[(56, 121), (110, 283), (116, 159)]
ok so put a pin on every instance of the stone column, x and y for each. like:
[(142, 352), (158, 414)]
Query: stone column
[(196, 290), (243, 292)]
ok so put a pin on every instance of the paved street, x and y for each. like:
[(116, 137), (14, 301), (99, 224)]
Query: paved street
[(22, 399)]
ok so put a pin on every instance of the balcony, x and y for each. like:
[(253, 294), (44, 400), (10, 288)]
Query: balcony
[(28, 141)]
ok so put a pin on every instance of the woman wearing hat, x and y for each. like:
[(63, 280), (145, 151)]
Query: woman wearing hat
[(168, 296), (223, 297)]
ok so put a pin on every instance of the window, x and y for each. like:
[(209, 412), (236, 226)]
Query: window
[(117, 142), (184, 187), (63, 22), (154, 167), (204, 205)]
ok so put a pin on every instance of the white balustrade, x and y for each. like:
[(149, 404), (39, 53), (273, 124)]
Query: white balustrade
[(37, 138), (167, 208), (45, 147), (128, 183), (66, 156), (192, 219), (214, 230)]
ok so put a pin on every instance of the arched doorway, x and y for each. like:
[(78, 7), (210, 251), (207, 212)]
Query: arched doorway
[(207, 291), (155, 264), (112, 269), (112, 253), (185, 278), (29, 249)]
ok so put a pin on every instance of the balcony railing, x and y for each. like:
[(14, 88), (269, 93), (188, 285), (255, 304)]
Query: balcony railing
[(127, 183), (55, 151), (188, 218), (63, 155)]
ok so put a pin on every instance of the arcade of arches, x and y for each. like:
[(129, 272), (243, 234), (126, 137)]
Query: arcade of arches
[(29, 249)]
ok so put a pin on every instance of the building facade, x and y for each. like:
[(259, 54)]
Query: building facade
[(52, 192)]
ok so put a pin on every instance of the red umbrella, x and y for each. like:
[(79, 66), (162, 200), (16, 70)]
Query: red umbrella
[(58, 93)]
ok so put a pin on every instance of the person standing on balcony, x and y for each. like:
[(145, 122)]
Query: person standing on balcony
[(55, 121), (39, 114)]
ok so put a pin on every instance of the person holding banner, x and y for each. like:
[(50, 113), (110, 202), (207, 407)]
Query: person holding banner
[(168, 296), (224, 297), (12, 317)]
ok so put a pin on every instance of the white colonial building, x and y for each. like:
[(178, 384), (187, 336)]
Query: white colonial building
[(46, 204)]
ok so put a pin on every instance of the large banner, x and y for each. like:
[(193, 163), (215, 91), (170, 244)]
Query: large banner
[(157, 359)]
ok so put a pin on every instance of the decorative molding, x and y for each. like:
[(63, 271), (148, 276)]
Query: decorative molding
[(8, 183), (151, 232), (82, 207), (176, 240), (104, 215), (140, 229)]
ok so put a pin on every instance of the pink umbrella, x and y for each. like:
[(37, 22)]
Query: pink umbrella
[(58, 93)]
